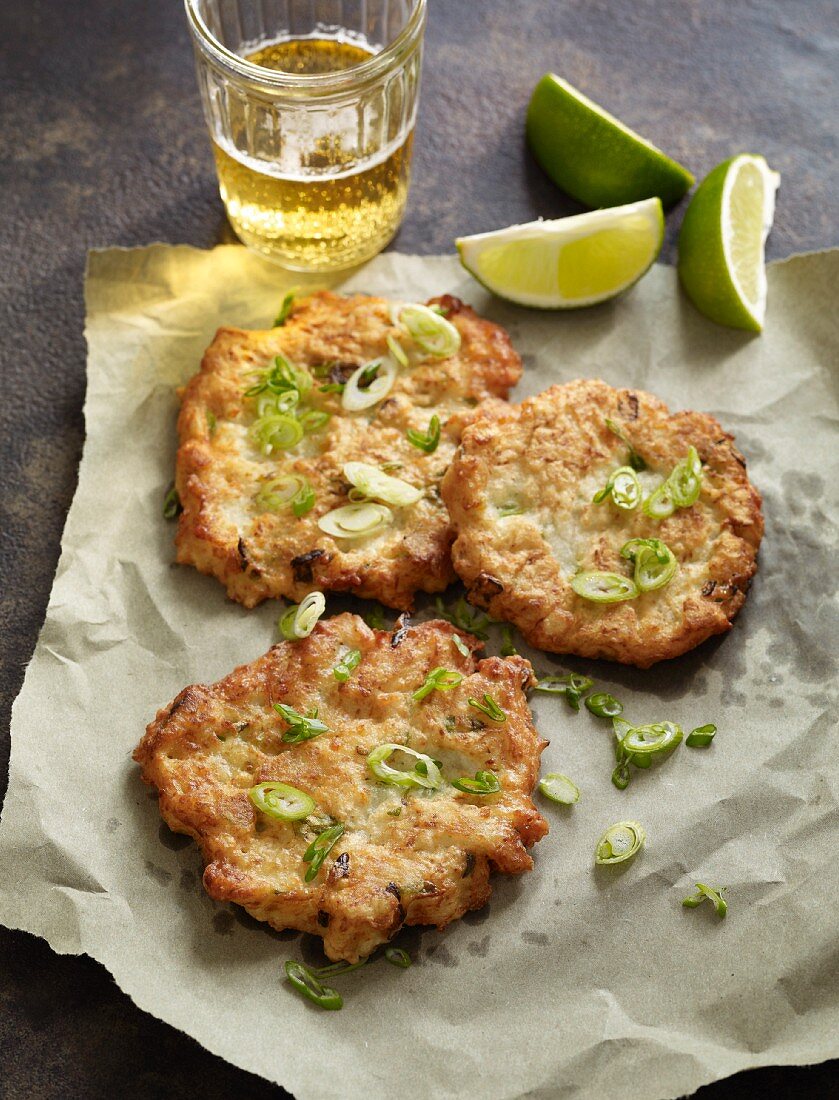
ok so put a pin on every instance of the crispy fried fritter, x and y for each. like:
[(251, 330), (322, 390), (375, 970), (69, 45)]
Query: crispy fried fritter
[(407, 856), (543, 461), (256, 553)]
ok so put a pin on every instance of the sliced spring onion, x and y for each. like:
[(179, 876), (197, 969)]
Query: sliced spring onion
[(439, 679), (489, 707), (572, 686), (281, 378), (621, 728), (425, 772), (299, 620), (459, 645), (430, 331), (306, 982), (660, 737), (319, 849), (312, 420), (351, 660), (604, 705), (396, 350), (464, 617), (634, 459), (510, 509), (714, 896), (559, 788), (284, 310), (377, 485), (701, 737), (397, 956), (619, 843), (375, 617), (426, 441), (507, 648), (290, 490), (369, 384), (281, 801), (484, 783), (655, 562), (171, 503), (355, 521), (276, 432), (600, 587), (621, 774), (660, 503), (686, 480), (623, 487), (301, 727)]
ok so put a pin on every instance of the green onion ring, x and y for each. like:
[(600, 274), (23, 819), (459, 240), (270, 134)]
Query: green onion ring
[(686, 480), (604, 705), (426, 441), (701, 737), (355, 398), (307, 983), (397, 956), (351, 660), (559, 788), (276, 431), (431, 778), (660, 503), (432, 333), (459, 645), (355, 521), (490, 708), (572, 686), (485, 782), (619, 843), (377, 485), (299, 620), (439, 679), (714, 896), (601, 587), (623, 487), (281, 801), (320, 848), (396, 350), (660, 737)]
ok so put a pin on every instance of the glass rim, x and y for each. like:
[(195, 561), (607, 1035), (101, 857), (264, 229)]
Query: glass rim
[(340, 80)]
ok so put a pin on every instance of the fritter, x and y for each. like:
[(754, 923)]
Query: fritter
[(415, 851), (521, 495), (254, 428)]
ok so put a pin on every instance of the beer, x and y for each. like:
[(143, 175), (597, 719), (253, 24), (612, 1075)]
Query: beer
[(322, 202)]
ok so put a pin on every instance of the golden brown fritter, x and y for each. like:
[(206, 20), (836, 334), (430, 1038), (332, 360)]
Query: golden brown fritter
[(225, 531), (544, 461), (407, 856)]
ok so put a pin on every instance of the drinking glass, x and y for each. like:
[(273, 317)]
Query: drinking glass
[(311, 107)]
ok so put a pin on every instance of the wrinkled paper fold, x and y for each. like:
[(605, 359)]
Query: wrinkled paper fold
[(572, 983)]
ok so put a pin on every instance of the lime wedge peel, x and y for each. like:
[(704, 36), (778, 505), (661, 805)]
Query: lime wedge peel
[(570, 262), (723, 238), (592, 155)]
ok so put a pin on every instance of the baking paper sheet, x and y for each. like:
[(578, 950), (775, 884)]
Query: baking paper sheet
[(573, 982)]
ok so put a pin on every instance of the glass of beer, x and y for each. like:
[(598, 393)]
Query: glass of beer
[(311, 107)]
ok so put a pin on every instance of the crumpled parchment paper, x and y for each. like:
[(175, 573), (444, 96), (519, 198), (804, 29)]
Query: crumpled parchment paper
[(574, 982)]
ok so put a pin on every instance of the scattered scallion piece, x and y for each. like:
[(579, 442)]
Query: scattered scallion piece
[(701, 737), (397, 956), (369, 384), (623, 487), (490, 708), (281, 801), (276, 432), (559, 788), (507, 648), (572, 686), (284, 310), (425, 772), (655, 563), (439, 679), (396, 350), (345, 666), (430, 331), (375, 617), (301, 727), (714, 896), (510, 509), (306, 982), (604, 705), (171, 503), (459, 645), (289, 490), (355, 521), (601, 587), (319, 849), (634, 459), (426, 441), (484, 783), (312, 420), (374, 484), (619, 843), (686, 479), (299, 620), (464, 617), (660, 737)]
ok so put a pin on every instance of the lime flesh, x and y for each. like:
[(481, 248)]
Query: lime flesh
[(722, 240), (570, 262), (592, 155)]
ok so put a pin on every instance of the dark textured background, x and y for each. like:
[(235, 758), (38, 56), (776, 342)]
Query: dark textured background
[(103, 144)]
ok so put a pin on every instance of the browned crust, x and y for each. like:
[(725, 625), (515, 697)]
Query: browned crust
[(553, 451), (430, 864), (218, 472)]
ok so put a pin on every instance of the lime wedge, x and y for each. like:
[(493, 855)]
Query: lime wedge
[(594, 157), (722, 240), (570, 262)]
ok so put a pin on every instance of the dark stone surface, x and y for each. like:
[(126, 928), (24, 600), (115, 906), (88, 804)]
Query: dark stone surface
[(103, 144)]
